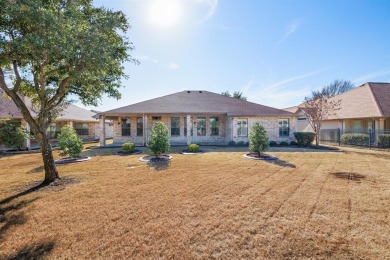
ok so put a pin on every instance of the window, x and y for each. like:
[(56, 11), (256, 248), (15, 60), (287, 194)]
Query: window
[(302, 118), (140, 126), (175, 125), (81, 128), (242, 127), (284, 129), (54, 130), (156, 118), (201, 126), (185, 126), (126, 123), (214, 126)]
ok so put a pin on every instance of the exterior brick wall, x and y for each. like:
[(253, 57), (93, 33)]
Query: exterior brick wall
[(271, 125), (228, 128)]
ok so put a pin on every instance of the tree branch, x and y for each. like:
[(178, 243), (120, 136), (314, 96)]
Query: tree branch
[(18, 78)]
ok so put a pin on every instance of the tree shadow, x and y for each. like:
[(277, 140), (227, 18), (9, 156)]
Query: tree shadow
[(36, 251), (281, 163), (37, 169), (159, 165), (23, 193)]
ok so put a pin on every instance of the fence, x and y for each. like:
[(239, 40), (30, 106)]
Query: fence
[(368, 138)]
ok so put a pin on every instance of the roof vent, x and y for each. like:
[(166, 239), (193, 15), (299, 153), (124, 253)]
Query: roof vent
[(188, 91), (200, 91)]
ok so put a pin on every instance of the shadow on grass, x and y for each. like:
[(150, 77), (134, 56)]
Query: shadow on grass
[(159, 165), (36, 251), (281, 163), (37, 169), (10, 214)]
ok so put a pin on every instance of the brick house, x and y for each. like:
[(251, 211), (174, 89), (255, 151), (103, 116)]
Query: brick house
[(200, 117), (82, 120)]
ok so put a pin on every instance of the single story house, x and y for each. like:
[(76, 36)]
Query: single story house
[(83, 120), (362, 109), (197, 116)]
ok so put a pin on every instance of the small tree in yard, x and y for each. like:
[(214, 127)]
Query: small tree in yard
[(258, 139), (12, 135), (319, 109), (69, 142), (50, 50), (158, 140)]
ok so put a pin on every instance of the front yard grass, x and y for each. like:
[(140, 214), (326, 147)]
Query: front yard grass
[(213, 205)]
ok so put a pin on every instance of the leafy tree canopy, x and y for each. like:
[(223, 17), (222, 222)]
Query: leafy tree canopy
[(50, 49)]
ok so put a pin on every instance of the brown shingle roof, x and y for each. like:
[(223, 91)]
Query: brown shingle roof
[(8, 109), (198, 102), (367, 101)]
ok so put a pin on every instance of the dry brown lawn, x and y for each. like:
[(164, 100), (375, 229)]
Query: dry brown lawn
[(215, 205)]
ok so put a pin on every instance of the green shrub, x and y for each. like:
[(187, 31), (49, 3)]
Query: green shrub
[(384, 140), (293, 143), (240, 143), (232, 143), (258, 139), (284, 143), (273, 143), (12, 135), (69, 142), (193, 148), (158, 140), (354, 139), (128, 147), (304, 138)]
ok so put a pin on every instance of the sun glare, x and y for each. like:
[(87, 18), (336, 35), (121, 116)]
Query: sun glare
[(165, 13)]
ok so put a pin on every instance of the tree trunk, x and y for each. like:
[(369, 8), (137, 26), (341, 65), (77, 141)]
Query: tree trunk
[(317, 139), (51, 173)]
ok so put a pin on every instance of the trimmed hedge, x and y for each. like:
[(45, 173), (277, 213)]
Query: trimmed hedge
[(273, 143), (304, 138), (283, 143), (384, 140), (354, 139), (193, 148), (128, 147)]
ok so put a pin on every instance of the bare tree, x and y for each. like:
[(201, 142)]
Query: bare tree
[(317, 109), (336, 87), (236, 94)]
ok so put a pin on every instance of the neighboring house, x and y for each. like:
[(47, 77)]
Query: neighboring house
[(302, 124), (362, 109), (198, 117), (82, 120)]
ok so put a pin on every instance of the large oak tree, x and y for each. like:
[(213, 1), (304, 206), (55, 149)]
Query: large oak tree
[(50, 49)]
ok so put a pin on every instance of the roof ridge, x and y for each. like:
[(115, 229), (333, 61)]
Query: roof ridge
[(375, 99)]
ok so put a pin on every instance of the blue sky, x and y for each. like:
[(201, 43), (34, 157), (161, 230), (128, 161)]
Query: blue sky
[(275, 52)]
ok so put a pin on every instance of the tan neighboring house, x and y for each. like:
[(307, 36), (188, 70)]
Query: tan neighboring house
[(198, 116), (82, 120), (362, 109)]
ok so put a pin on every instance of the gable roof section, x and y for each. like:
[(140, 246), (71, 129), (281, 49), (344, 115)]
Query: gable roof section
[(75, 113), (198, 102), (367, 101), (8, 109)]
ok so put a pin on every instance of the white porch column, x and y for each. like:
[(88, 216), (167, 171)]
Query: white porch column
[(27, 144), (145, 130), (102, 136), (189, 128), (70, 123)]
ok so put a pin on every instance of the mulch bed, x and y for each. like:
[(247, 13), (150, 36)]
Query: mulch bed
[(255, 156), (125, 154), (152, 158), (71, 160), (185, 152)]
